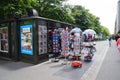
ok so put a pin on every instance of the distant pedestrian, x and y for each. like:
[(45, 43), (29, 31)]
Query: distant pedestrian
[(110, 41), (118, 44)]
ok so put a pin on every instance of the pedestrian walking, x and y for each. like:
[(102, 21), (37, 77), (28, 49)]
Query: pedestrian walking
[(110, 41), (118, 44)]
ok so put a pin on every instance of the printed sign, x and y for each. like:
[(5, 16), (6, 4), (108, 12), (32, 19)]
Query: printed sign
[(26, 39)]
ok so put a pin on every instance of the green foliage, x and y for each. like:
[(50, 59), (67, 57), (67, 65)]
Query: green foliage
[(105, 31), (9, 7), (85, 19), (54, 9)]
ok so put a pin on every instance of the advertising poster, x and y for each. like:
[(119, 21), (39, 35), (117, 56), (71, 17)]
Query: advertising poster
[(26, 39), (4, 39)]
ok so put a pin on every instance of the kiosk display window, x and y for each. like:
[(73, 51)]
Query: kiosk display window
[(4, 39), (42, 37), (42, 32)]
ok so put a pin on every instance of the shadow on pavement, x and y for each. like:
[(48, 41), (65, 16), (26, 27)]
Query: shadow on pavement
[(10, 65)]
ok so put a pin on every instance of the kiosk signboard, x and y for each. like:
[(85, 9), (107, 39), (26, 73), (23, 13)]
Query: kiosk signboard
[(26, 39)]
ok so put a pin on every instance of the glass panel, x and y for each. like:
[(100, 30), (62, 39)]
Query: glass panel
[(4, 37)]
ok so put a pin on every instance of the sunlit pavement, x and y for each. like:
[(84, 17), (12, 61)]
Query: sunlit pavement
[(110, 69), (93, 70), (96, 70)]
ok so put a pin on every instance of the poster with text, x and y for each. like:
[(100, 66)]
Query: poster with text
[(26, 39)]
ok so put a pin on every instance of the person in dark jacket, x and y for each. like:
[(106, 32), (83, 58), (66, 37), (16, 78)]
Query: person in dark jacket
[(117, 36)]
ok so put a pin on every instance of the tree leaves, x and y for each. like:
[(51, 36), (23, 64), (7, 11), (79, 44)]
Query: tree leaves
[(53, 9)]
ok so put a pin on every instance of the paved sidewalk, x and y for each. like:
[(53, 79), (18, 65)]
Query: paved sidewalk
[(110, 69), (93, 70), (23, 71), (45, 71)]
